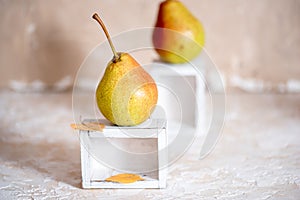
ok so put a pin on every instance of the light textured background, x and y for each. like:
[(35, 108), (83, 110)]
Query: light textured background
[(256, 160), (256, 44)]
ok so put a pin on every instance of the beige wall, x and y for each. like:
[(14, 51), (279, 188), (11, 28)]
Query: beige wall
[(256, 44)]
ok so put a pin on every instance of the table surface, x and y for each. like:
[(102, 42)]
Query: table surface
[(257, 156)]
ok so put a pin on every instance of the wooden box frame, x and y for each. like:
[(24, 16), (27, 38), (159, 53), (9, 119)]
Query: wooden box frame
[(152, 129)]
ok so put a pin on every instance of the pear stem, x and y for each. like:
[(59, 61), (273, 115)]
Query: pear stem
[(98, 19)]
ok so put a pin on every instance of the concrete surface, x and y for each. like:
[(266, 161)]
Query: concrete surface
[(257, 157)]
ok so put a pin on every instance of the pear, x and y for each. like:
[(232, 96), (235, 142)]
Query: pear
[(178, 36), (126, 94)]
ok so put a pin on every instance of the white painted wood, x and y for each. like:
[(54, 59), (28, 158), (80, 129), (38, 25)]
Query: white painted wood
[(162, 159), (137, 185), (162, 72), (147, 129), (92, 169), (200, 110)]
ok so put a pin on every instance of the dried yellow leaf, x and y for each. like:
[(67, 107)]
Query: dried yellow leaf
[(90, 126), (124, 178)]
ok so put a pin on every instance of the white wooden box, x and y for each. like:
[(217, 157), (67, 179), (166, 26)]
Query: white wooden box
[(140, 150), (182, 92)]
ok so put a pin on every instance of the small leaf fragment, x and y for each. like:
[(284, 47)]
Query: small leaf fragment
[(90, 126)]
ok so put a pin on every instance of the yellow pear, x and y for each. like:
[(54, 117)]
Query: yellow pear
[(126, 94), (178, 36)]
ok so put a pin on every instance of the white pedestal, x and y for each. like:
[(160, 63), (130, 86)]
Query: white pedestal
[(182, 91), (110, 152)]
